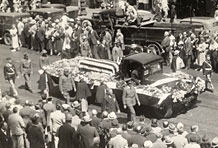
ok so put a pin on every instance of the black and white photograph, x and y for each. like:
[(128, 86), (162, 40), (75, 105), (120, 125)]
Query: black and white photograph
[(108, 73)]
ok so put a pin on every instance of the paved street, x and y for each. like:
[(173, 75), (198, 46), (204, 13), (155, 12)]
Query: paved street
[(204, 114)]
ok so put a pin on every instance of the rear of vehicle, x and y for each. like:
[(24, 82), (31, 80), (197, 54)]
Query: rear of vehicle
[(56, 6), (6, 22), (54, 13), (201, 23)]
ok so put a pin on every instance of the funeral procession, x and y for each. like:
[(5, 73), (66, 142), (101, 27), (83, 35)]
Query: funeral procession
[(109, 74)]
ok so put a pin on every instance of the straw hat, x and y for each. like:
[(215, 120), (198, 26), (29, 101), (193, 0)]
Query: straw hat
[(112, 116), (86, 119), (148, 144), (75, 104)]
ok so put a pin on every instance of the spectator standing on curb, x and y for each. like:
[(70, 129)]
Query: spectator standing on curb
[(93, 42), (67, 134), (166, 46), (17, 126), (89, 133), (14, 39), (188, 47), (35, 134), (20, 27), (57, 120)]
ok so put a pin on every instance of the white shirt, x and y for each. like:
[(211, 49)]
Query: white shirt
[(57, 119)]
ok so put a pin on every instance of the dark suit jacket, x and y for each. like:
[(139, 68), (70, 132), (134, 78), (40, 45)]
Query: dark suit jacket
[(40, 34), (188, 46), (166, 44), (100, 93), (93, 37), (66, 135), (35, 137), (5, 141), (82, 91), (137, 139), (111, 105)]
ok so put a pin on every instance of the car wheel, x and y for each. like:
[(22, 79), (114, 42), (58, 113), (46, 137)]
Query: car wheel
[(164, 112), (7, 38)]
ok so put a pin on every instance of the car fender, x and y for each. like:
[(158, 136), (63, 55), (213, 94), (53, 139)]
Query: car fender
[(156, 44)]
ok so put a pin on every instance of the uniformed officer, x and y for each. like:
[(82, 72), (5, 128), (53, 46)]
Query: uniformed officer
[(26, 71), (207, 72), (10, 74), (130, 98), (66, 85)]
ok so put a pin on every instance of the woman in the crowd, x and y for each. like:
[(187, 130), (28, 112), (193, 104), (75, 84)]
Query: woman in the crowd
[(14, 38)]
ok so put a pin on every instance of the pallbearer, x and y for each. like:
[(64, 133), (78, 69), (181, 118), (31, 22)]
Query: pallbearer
[(66, 85)]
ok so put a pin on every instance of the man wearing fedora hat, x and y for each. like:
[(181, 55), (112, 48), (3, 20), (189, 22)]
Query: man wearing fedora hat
[(57, 119), (155, 126), (192, 143), (118, 141), (205, 142), (194, 133), (130, 98), (159, 143), (169, 142), (214, 142), (137, 138), (26, 70), (66, 134), (89, 133)]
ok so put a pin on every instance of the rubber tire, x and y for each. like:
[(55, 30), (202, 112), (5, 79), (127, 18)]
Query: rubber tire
[(7, 38)]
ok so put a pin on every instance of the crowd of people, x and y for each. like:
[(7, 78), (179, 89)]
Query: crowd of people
[(19, 5), (66, 37), (190, 50), (57, 125), (68, 125)]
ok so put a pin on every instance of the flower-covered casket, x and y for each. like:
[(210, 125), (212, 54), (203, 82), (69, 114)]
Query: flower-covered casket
[(170, 89)]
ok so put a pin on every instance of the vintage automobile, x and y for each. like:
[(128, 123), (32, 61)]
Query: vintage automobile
[(166, 94), (54, 13), (57, 6), (147, 32), (6, 22), (150, 70), (201, 23), (72, 11)]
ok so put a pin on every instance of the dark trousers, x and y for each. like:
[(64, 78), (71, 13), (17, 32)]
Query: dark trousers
[(187, 61), (41, 45), (166, 58), (103, 105), (94, 49)]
